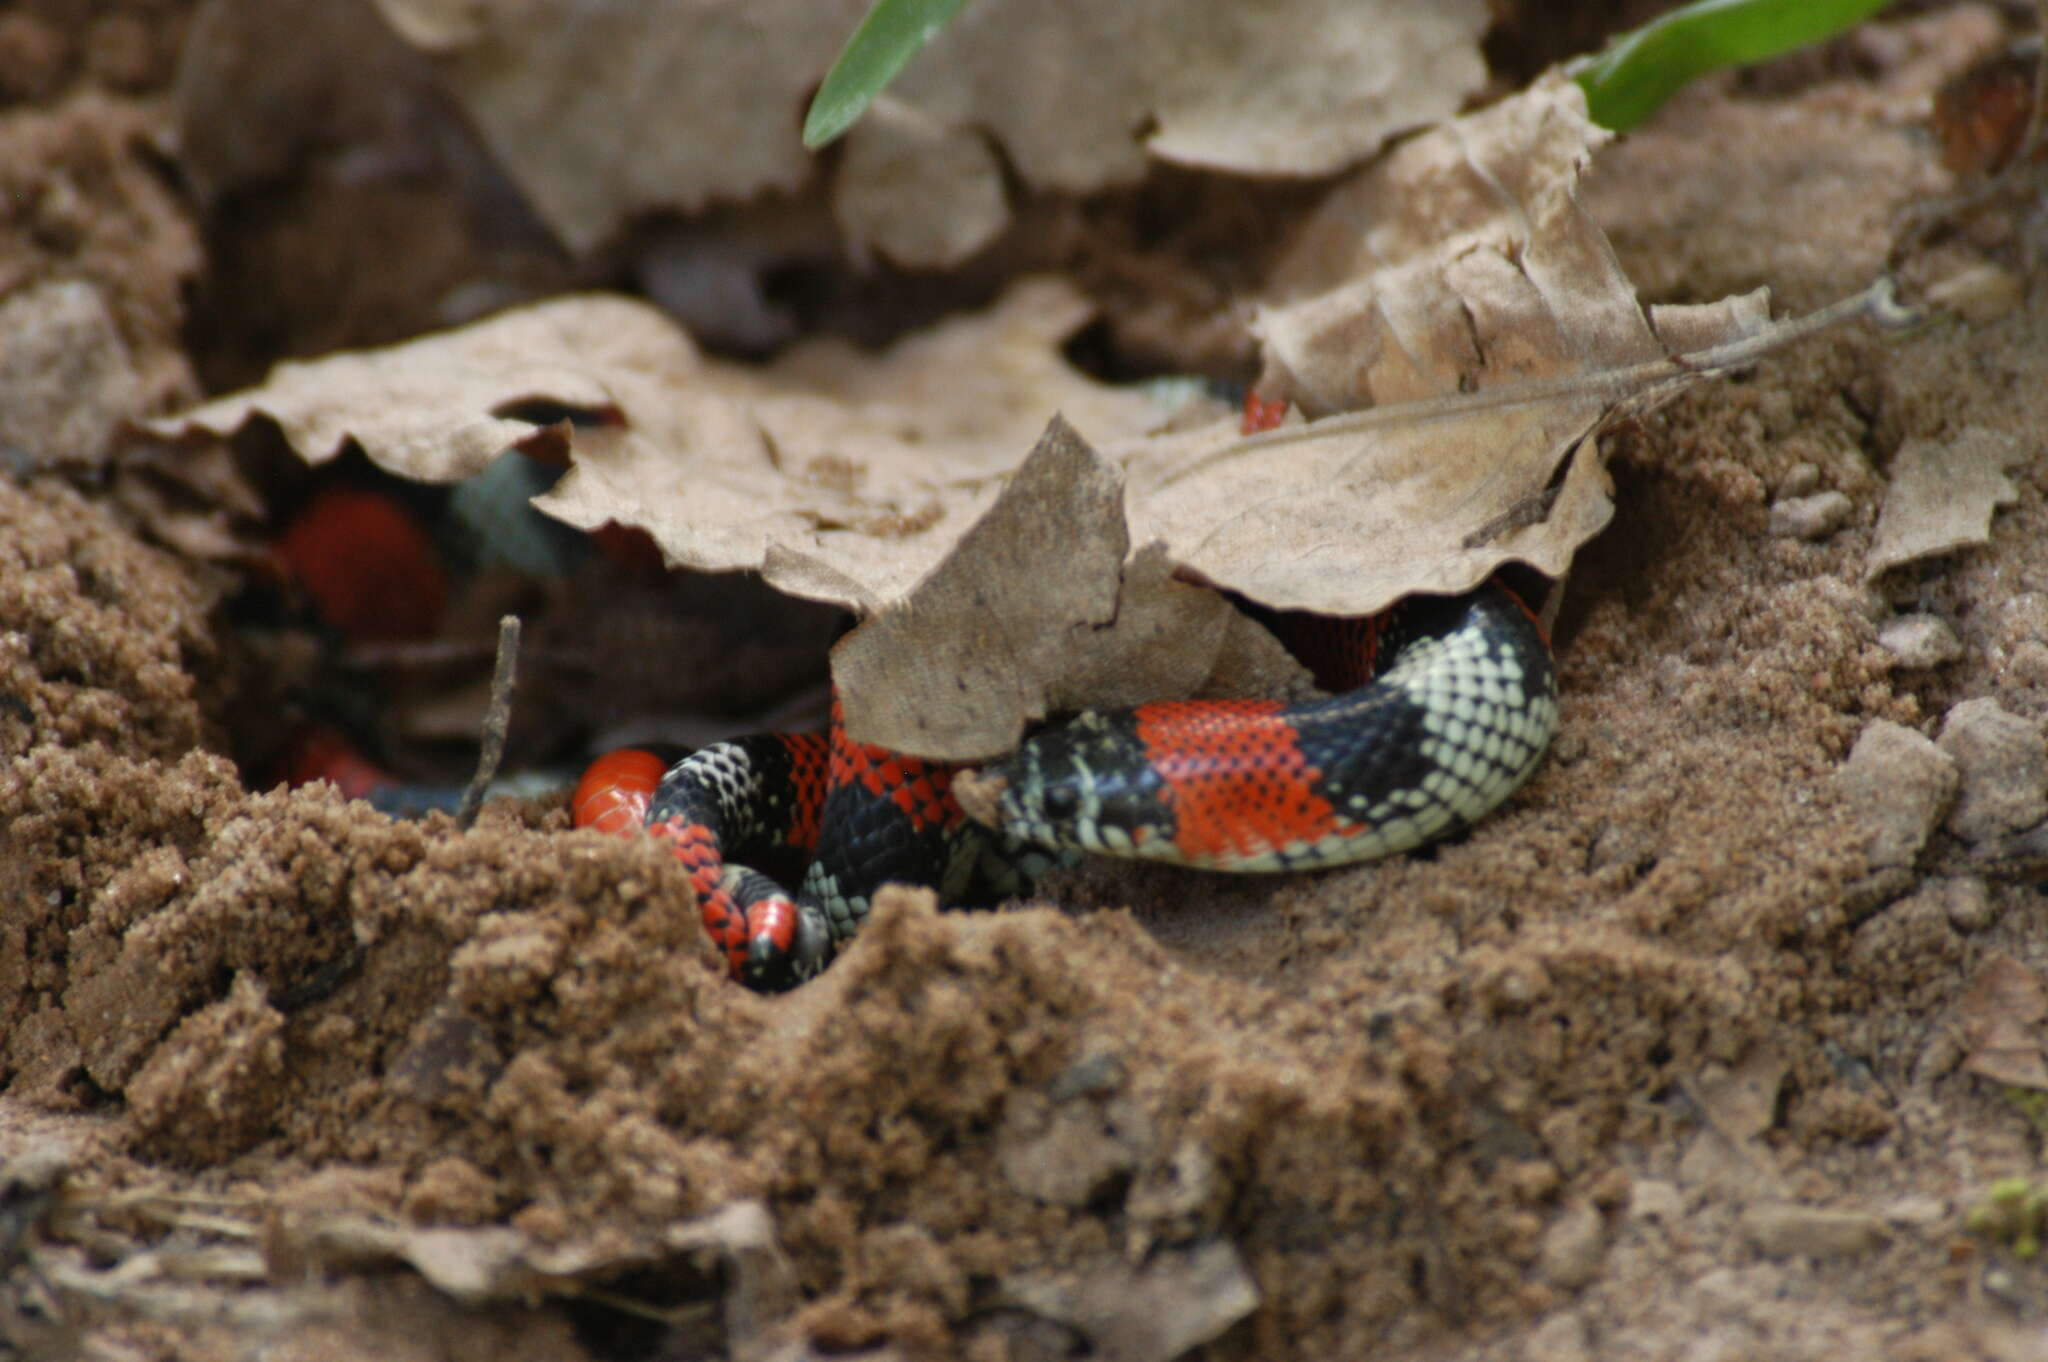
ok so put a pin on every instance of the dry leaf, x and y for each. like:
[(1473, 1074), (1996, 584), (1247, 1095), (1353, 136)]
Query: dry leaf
[(1036, 611), (601, 111), (1303, 87), (1942, 496), (196, 501), (2000, 1010), (1077, 97), (843, 477), (1464, 262)]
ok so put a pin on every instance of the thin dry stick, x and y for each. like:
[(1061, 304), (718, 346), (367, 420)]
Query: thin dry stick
[(1633, 387), (497, 721)]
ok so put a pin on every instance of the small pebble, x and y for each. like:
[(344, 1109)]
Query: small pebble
[(1980, 293), (1561, 1338), (2029, 665), (1572, 1247), (2003, 763), (1783, 1229), (1901, 785), (1919, 641), (1731, 1291), (1063, 1154), (1800, 479), (1968, 902), (66, 376), (1916, 1212), (2002, 1285), (1655, 1199), (1810, 517)]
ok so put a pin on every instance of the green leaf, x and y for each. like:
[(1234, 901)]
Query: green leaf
[(884, 43), (1639, 71)]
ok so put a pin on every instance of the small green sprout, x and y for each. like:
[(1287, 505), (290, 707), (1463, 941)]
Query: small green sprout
[(2032, 1104), (2013, 1211), (1641, 69), (893, 32)]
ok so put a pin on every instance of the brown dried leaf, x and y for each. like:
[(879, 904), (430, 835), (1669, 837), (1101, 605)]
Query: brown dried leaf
[(710, 95), (841, 476), (1303, 87), (1942, 496), (1463, 263), (428, 409), (2000, 1011), (1035, 611)]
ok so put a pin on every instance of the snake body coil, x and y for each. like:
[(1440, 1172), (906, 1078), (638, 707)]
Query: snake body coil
[(1459, 708)]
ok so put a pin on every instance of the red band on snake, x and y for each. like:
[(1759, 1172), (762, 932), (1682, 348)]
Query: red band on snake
[(1455, 720)]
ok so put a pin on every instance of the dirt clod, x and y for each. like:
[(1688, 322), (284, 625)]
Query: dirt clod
[(1902, 785), (2002, 764)]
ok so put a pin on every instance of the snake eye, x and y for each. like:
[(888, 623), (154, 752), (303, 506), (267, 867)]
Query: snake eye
[(1061, 802)]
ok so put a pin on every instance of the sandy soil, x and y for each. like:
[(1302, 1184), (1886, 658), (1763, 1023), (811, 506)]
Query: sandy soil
[(1654, 1064)]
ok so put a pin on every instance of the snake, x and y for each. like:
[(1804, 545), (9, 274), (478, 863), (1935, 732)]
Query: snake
[(1448, 706)]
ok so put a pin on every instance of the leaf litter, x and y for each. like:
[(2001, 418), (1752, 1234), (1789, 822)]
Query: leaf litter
[(1075, 99), (1458, 292)]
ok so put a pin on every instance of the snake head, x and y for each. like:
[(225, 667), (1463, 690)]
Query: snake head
[(1084, 785)]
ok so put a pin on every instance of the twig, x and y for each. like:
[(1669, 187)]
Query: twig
[(497, 722), (1632, 387)]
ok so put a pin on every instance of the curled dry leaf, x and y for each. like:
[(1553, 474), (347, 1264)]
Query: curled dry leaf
[(1036, 611), (1459, 285), (1463, 263), (918, 192)]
